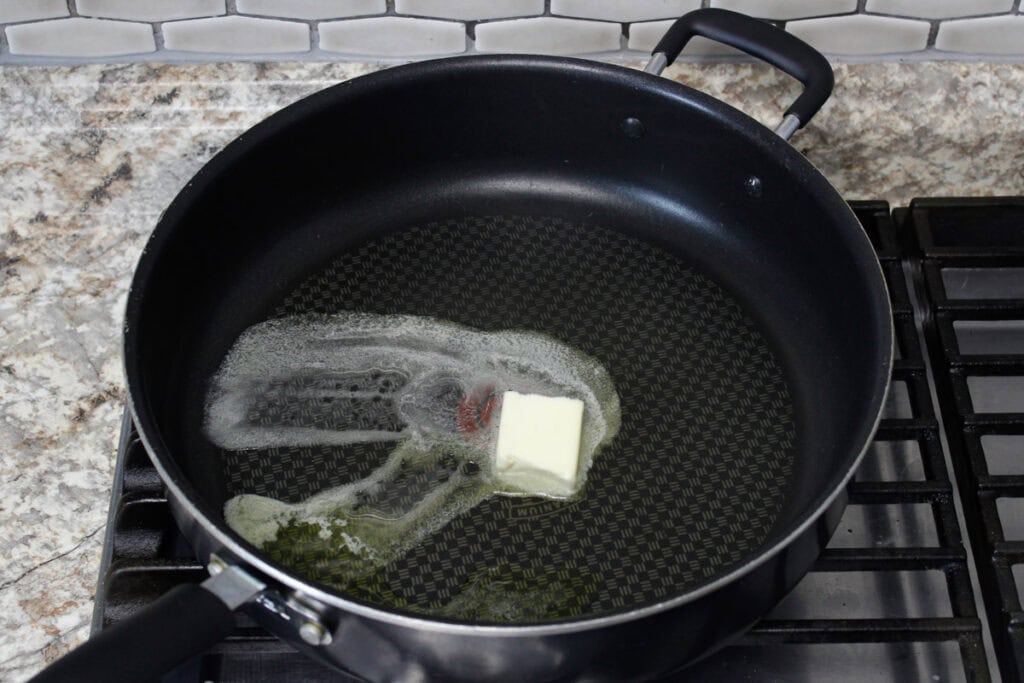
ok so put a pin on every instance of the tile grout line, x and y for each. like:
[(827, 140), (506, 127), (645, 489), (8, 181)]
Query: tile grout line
[(158, 35), (170, 56)]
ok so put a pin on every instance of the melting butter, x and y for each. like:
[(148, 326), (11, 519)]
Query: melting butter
[(430, 386)]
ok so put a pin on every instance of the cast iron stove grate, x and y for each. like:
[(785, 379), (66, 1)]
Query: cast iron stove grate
[(971, 255), (892, 598)]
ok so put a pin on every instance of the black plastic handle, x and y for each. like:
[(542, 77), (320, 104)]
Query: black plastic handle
[(764, 41), (182, 623)]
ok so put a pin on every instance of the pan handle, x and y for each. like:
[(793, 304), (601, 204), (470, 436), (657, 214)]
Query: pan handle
[(182, 623), (759, 39)]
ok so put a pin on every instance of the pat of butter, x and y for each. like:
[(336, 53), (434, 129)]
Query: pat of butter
[(539, 443)]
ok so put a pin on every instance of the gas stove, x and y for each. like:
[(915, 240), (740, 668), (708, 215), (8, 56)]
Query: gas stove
[(923, 579)]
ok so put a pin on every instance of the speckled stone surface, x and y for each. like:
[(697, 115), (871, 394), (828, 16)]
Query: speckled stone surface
[(92, 154)]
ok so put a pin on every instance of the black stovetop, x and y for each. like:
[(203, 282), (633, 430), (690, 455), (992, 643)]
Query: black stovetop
[(923, 579)]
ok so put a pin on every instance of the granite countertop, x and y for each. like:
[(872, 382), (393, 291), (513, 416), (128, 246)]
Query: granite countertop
[(92, 154)]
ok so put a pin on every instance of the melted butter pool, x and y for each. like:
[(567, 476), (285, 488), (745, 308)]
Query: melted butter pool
[(431, 387)]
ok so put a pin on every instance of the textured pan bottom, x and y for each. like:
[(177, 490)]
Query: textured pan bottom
[(693, 483)]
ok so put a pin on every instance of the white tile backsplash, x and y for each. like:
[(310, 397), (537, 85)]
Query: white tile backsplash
[(79, 37), (470, 10), (393, 37), (938, 9), (29, 10), (991, 35), (787, 9), (646, 35), (236, 35), (311, 9), (350, 30), (150, 10), (862, 35), (548, 36), (616, 10)]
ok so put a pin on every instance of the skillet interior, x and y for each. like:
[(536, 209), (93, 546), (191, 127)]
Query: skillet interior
[(511, 197)]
